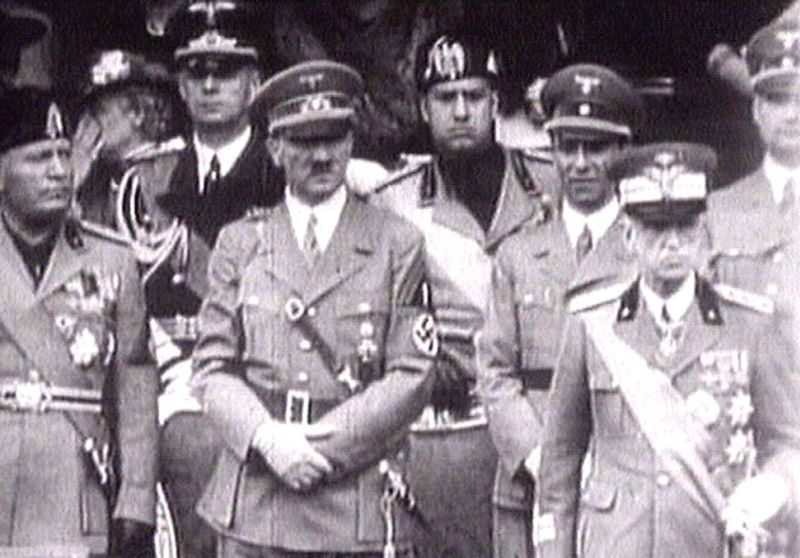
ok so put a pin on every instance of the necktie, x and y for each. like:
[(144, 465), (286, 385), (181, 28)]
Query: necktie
[(311, 247), (584, 244), (213, 176)]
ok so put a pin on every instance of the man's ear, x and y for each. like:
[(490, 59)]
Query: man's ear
[(253, 81), (495, 105), (755, 109), (628, 234), (275, 148), (424, 109), (182, 86)]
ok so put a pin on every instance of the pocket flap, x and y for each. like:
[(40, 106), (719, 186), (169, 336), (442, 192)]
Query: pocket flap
[(599, 495)]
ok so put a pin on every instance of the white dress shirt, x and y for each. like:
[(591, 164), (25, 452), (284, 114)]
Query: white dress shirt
[(227, 155), (327, 214), (778, 177), (677, 305), (599, 221)]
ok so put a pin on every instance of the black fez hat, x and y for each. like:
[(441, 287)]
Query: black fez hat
[(455, 56), (28, 115)]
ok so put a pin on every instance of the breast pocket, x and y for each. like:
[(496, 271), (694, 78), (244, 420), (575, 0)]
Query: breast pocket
[(539, 318), (610, 414), (362, 322), (261, 305)]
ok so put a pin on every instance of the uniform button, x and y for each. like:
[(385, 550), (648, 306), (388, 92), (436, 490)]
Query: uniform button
[(302, 377), (663, 480), (304, 345), (772, 289), (311, 312), (778, 257)]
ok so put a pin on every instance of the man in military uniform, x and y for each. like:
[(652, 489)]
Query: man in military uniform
[(77, 390), (765, 201), (466, 198), (128, 106), (683, 387), (314, 354), (224, 170), (592, 114)]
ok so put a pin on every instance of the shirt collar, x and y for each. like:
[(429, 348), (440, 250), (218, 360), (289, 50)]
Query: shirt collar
[(327, 214), (677, 305), (228, 154), (778, 175), (598, 221)]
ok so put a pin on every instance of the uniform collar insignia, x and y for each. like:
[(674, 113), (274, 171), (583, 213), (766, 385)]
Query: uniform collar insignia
[(629, 303), (708, 301)]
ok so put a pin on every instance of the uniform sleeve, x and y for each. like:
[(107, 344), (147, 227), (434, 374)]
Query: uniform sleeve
[(565, 440), (515, 417), (136, 384), (369, 423), (234, 409), (776, 392)]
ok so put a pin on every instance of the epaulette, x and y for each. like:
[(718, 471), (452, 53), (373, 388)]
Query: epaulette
[(103, 232), (411, 164), (155, 150), (747, 299), (257, 213), (538, 154), (596, 297)]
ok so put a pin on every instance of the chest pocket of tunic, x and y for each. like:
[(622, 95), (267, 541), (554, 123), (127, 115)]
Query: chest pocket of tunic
[(610, 414), (362, 322), (261, 305), (539, 320)]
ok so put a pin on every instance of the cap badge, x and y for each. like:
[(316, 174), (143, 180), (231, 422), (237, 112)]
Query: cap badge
[(316, 103), (584, 109), (787, 38), (446, 59), (587, 83), (55, 122), (112, 66), (666, 169), (787, 62), (211, 9), (312, 81)]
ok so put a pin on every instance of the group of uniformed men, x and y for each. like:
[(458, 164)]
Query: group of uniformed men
[(488, 353)]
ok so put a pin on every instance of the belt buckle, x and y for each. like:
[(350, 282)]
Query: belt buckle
[(34, 397), (298, 407)]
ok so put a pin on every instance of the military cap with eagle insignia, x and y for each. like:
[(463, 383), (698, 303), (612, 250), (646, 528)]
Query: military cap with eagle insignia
[(215, 28), (310, 99), (29, 115), (664, 183), (594, 99), (773, 57), (453, 57)]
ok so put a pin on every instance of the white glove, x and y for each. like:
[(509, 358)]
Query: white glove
[(287, 451), (754, 502)]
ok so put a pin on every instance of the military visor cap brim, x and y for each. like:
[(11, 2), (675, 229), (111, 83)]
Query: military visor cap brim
[(214, 43), (312, 99)]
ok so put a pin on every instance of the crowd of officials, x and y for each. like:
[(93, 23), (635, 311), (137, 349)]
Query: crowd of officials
[(244, 342)]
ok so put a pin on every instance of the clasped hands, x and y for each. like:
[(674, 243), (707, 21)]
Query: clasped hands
[(288, 451)]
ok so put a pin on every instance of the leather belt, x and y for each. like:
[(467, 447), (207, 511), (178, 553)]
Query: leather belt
[(40, 397), (179, 327), (295, 406), (536, 379)]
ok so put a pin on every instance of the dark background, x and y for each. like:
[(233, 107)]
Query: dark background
[(639, 38)]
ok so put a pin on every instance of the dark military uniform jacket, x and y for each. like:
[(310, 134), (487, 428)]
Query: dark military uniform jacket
[(458, 252), (83, 327), (734, 374), (361, 300), (535, 272)]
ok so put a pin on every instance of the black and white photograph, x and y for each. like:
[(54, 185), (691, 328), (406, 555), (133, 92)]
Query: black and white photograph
[(399, 278)]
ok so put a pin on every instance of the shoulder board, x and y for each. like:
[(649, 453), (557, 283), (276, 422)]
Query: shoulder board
[(596, 297), (747, 299), (412, 164), (105, 233), (257, 213), (538, 154), (155, 150)]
